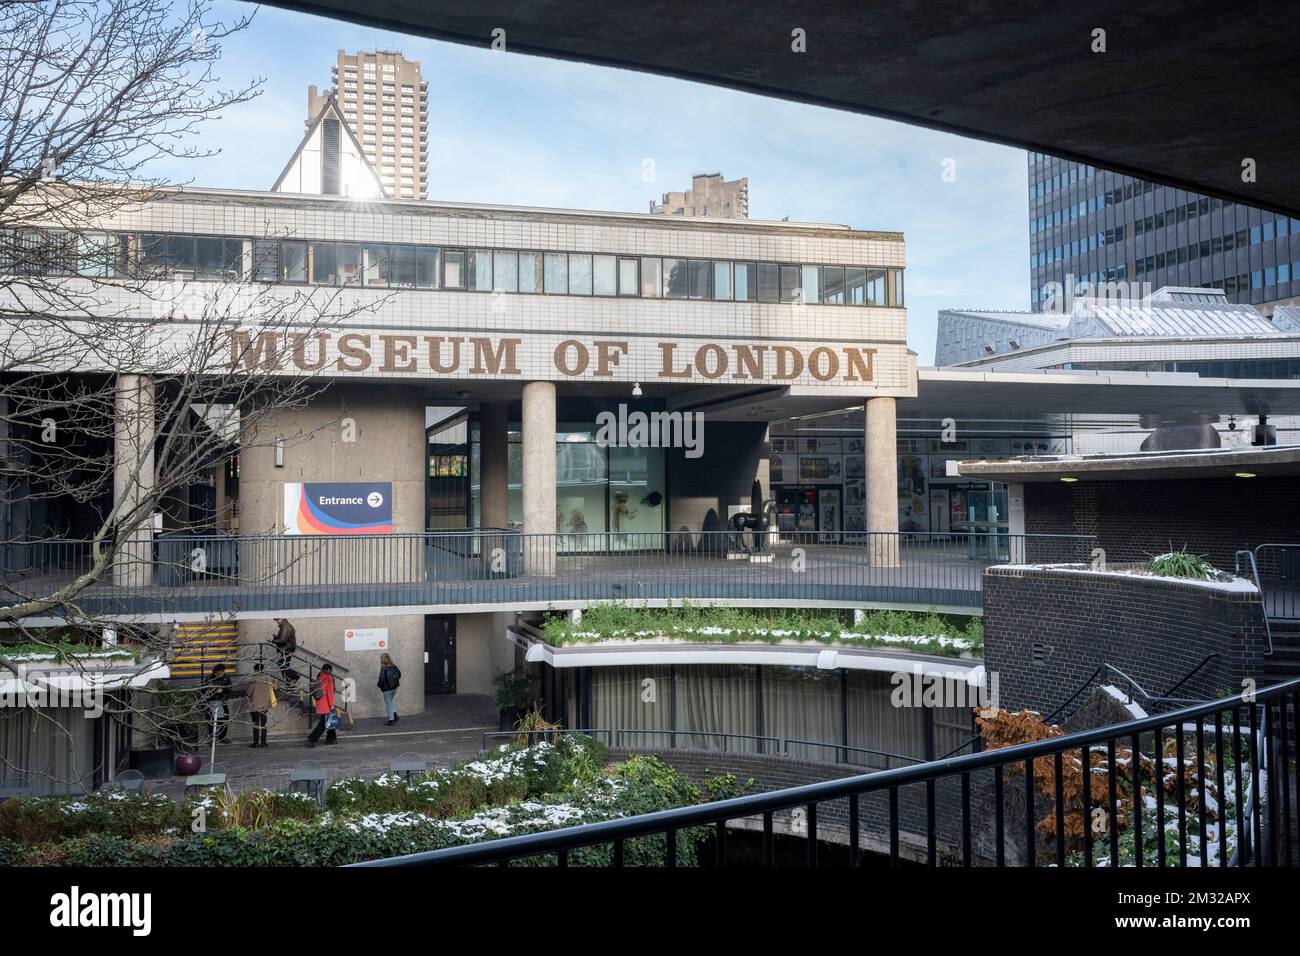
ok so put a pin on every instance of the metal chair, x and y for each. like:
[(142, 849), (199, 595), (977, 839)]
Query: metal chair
[(308, 777), (211, 768), (409, 763)]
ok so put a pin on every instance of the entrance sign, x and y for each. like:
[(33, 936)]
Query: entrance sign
[(365, 639), (338, 507)]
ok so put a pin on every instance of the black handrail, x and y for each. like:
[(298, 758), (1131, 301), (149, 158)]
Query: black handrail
[(1021, 756)]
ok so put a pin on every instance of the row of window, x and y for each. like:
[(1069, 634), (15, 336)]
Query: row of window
[(1192, 251), (1231, 285), (389, 266)]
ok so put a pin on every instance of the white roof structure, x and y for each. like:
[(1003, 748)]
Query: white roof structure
[(329, 161)]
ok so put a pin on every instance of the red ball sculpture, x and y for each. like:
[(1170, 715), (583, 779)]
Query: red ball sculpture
[(188, 764)]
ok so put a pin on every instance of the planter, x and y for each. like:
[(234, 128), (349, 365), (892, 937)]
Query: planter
[(188, 764), (157, 762)]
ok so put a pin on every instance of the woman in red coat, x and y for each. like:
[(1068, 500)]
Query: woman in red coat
[(324, 708)]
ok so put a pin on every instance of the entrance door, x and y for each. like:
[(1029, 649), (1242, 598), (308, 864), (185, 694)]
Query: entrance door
[(440, 654)]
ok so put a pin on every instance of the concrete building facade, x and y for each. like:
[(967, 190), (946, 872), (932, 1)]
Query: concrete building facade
[(710, 197)]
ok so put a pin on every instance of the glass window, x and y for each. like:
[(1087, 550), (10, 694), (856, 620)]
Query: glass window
[(324, 263), (266, 260), (453, 268), (833, 285), (745, 281), (700, 269), (377, 265), (401, 270), (293, 261), (579, 274), (603, 276), (530, 272), (505, 271), (876, 287), (722, 280), (627, 277), (855, 285), (676, 273), (652, 279), (812, 286), (426, 266), (349, 263), (898, 287), (556, 268), (480, 270), (95, 256), (789, 282), (769, 282)]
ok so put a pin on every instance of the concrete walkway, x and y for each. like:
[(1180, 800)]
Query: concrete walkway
[(448, 731)]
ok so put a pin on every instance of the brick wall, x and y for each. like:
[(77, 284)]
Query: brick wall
[(1154, 630), (1136, 519)]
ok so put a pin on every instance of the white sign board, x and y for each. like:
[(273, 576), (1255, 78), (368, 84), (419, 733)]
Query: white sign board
[(365, 639)]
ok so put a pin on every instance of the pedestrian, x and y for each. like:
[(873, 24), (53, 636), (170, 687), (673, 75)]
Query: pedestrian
[(261, 698), (327, 722), (390, 678), (217, 696), (285, 642)]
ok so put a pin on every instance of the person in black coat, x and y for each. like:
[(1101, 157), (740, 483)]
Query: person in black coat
[(390, 678), (217, 696)]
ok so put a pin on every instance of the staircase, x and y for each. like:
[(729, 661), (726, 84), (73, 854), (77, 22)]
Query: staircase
[(197, 648), (1284, 664)]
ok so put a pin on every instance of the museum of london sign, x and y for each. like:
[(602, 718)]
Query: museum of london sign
[(559, 357)]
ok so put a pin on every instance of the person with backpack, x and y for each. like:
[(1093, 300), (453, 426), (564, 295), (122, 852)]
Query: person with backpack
[(327, 721), (390, 678)]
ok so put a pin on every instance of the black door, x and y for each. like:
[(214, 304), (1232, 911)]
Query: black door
[(440, 654)]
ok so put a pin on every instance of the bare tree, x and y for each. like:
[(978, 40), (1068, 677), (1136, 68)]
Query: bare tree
[(113, 408)]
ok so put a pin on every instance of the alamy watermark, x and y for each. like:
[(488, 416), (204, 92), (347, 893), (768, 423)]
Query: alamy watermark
[(636, 429), (935, 688)]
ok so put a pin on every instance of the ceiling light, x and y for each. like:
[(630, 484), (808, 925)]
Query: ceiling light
[(1068, 479), (1245, 474)]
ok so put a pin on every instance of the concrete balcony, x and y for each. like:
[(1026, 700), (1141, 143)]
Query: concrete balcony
[(195, 576)]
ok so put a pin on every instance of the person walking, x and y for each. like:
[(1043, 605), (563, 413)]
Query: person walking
[(390, 678), (261, 697), (285, 642), (327, 721), (217, 696)]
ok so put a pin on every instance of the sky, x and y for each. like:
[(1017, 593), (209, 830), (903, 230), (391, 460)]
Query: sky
[(515, 129)]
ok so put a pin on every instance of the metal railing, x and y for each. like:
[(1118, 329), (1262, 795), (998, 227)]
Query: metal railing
[(1277, 574), (950, 803), (764, 745), (215, 573)]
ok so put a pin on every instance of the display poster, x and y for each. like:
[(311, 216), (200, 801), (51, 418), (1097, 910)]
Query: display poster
[(338, 507)]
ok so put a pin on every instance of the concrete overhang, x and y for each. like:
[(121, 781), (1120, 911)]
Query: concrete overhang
[(1185, 92), (1149, 466), (965, 394)]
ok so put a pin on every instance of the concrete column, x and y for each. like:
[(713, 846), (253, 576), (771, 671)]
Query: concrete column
[(134, 431), (1016, 521), (494, 480), (881, 420), (539, 477)]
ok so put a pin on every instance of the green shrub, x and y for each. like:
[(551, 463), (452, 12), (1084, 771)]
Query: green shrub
[(117, 812), (1182, 564)]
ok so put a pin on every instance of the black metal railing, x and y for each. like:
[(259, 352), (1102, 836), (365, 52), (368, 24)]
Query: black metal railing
[(1220, 775), (214, 573)]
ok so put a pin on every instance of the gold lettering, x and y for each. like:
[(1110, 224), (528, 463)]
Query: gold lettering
[(860, 370), (561, 357), (752, 361), (814, 364), (492, 362), (667, 371), (359, 352), (261, 353), (397, 349), (789, 362), (435, 354), (608, 355), (719, 364)]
